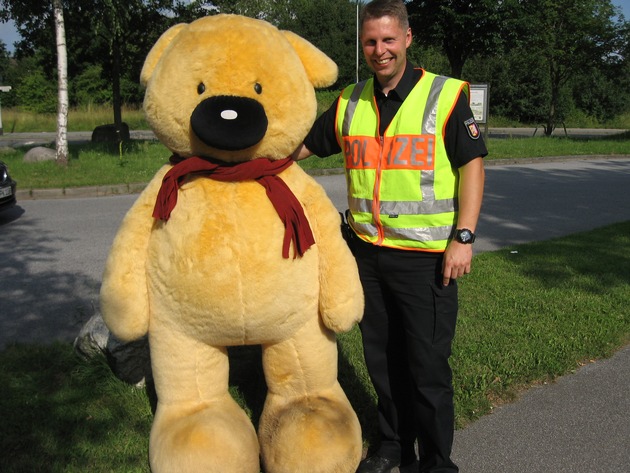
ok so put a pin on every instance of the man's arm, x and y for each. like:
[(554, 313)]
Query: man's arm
[(321, 140), (458, 256), (302, 152)]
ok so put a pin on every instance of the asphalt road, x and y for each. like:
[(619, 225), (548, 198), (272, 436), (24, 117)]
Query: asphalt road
[(53, 251)]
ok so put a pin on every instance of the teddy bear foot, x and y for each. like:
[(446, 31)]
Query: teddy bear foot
[(209, 439), (313, 434)]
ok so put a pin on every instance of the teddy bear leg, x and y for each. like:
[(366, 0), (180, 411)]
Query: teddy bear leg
[(307, 424), (198, 427)]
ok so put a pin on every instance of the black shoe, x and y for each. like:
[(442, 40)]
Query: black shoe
[(376, 464)]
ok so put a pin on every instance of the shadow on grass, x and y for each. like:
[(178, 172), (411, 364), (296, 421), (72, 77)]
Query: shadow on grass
[(61, 413), (64, 413)]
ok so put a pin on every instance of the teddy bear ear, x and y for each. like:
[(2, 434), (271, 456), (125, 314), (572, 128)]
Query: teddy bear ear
[(157, 50), (320, 69)]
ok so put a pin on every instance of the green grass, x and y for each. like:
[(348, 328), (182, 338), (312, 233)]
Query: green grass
[(61, 414), (90, 165), (540, 146), (537, 311), (528, 314), (85, 118)]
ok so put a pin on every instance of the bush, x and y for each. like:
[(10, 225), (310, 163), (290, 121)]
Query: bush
[(37, 94), (90, 88)]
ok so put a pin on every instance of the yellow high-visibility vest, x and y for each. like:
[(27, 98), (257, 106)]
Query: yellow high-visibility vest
[(402, 189)]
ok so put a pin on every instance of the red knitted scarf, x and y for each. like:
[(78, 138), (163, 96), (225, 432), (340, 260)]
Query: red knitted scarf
[(262, 170)]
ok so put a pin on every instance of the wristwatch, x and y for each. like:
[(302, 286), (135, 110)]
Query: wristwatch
[(465, 236)]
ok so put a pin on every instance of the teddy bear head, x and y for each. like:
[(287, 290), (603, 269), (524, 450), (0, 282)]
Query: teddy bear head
[(233, 88)]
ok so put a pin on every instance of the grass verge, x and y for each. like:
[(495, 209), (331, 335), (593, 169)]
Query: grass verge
[(528, 314), (138, 160)]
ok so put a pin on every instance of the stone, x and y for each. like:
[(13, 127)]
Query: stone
[(109, 134), (130, 362), (40, 153)]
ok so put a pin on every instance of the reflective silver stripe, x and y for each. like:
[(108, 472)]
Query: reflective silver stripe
[(429, 124), (364, 228), (430, 207), (413, 234), (429, 121), (419, 234), (352, 107), (427, 188), (360, 205)]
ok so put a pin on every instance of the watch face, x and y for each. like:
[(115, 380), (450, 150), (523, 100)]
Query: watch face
[(465, 236)]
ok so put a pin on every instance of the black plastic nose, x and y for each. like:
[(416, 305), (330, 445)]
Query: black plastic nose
[(229, 123)]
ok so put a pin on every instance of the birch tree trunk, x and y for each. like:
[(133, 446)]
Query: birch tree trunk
[(62, 73)]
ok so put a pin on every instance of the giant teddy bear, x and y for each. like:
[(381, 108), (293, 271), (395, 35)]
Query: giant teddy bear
[(233, 244)]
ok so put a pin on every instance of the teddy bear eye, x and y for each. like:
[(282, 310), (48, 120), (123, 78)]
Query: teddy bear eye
[(201, 88), (258, 88)]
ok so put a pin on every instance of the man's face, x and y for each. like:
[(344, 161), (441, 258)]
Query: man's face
[(385, 45)]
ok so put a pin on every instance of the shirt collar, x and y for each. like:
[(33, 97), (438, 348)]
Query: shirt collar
[(407, 82)]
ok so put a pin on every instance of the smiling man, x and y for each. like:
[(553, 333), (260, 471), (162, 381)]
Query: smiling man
[(414, 167)]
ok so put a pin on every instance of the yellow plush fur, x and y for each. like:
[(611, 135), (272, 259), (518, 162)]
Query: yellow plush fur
[(213, 275)]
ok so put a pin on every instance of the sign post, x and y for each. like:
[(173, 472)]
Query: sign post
[(479, 104), (3, 88)]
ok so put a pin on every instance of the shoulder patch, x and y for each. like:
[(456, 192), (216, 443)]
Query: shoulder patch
[(473, 128)]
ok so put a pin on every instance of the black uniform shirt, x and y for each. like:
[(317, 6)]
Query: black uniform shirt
[(461, 145)]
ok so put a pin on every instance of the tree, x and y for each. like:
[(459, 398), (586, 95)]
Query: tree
[(328, 24), (17, 8), (603, 93), (571, 36), (462, 28), (62, 74), (103, 32), (116, 23)]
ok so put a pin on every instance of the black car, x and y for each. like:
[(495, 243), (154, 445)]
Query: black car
[(7, 188)]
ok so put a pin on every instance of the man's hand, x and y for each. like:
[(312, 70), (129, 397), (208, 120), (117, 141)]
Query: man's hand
[(458, 256), (457, 261)]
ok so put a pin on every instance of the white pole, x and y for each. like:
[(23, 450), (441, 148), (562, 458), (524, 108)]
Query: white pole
[(357, 41)]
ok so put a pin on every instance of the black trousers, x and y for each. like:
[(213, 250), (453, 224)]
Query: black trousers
[(408, 329)]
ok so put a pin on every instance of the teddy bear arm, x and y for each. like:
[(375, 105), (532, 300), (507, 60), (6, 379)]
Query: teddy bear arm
[(341, 294), (123, 295)]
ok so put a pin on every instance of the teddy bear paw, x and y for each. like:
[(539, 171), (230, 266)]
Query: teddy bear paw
[(317, 434), (214, 439)]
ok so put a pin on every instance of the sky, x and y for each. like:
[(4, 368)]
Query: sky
[(9, 35)]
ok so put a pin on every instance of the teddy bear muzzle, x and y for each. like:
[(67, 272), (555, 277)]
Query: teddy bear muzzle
[(229, 123)]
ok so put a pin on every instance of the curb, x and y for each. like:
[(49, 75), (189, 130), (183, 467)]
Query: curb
[(77, 192)]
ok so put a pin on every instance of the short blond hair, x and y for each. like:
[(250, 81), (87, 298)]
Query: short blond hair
[(380, 8)]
